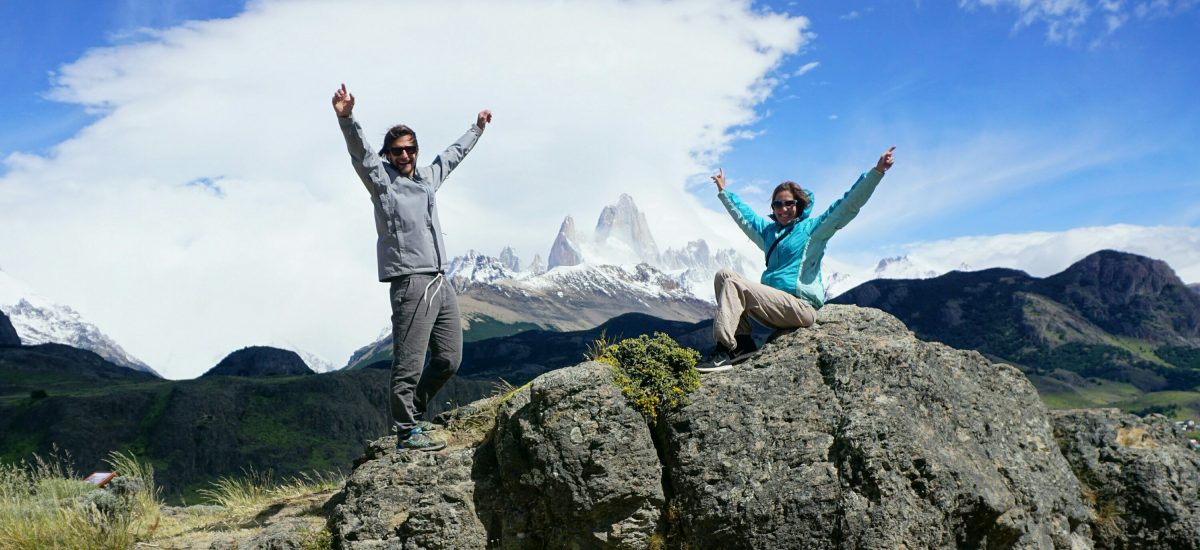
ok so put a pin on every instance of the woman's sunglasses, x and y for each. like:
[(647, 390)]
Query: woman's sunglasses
[(779, 205)]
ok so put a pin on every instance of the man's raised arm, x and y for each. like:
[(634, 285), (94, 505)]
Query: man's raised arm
[(457, 151), (366, 163)]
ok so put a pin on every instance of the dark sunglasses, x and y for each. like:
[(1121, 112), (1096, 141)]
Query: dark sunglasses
[(778, 205), (410, 149)]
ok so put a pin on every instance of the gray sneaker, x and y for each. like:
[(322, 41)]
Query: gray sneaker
[(720, 360), (418, 440)]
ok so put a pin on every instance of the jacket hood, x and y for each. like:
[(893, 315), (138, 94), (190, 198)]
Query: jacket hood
[(807, 209)]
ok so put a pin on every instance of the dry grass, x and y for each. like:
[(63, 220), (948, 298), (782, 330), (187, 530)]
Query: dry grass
[(42, 505), (475, 423)]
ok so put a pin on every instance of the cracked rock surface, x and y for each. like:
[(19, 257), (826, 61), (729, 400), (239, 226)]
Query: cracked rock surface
[(849, 434), (1138, 474)]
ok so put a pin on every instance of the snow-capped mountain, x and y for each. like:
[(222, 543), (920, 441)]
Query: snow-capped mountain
[(474, 268), (895, 267), (38, 320), (622, 228), (315, 362)]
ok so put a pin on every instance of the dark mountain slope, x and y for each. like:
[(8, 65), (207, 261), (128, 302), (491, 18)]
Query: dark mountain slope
[(1112, 316), (260, 361), (8, 334)]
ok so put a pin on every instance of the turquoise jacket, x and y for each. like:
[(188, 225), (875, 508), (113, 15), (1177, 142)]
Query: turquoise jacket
[(795, 264)]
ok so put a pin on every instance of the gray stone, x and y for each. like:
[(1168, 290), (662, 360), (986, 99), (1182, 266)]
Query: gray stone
[(577, 466), (1138, 475), (408, 499), (288, 534), (854, 434)]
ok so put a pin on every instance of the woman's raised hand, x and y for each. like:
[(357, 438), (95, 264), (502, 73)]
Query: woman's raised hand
[(885, 160), (719, 179)]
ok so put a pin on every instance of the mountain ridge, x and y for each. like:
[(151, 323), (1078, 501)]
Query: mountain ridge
[(1111, 316)]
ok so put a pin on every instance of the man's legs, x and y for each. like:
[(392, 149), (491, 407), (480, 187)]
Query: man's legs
[(738, 297), (412, 323), (446, 346)]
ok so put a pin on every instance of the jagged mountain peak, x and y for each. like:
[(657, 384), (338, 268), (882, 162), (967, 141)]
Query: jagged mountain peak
[(537, 265), (509, 258), (621, 225), (565, 251), (474, 268)]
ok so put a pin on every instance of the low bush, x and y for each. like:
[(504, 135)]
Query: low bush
[(655, 374)]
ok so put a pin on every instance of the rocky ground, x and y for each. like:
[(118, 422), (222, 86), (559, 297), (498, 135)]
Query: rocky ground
[(852, 434)]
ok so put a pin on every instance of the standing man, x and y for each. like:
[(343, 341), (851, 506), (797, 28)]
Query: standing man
[(410, 253)]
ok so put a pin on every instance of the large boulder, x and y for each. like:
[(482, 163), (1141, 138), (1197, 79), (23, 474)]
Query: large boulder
[(850, 434), (1139, 475), (568, 464), (855, 434)]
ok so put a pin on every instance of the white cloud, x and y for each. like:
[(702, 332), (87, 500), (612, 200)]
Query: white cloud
[(807, 67), (212, 205), (849, 16), (1040, 254), (1067, 20)]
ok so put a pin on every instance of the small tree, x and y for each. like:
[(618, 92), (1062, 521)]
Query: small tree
[(654, 374)]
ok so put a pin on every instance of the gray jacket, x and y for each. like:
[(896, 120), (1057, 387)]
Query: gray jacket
[(406, 219)]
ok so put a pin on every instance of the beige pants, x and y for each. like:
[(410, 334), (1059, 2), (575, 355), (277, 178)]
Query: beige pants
[(740, 299)]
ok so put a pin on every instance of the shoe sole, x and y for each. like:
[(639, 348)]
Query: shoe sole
[(424, 449), (743, 357), (721, 368)]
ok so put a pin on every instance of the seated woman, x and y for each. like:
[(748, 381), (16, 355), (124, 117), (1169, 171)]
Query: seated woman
[(790, 290)]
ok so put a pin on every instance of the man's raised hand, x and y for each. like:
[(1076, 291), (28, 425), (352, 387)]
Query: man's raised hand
[(343, 102), (719, 179), (485, 116), (885, 160)]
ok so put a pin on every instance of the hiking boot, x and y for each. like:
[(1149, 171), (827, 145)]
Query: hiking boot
[(418, 440)]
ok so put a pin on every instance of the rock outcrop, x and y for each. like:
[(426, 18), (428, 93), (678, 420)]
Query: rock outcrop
[(1138, 475), (851, 434), (8, 334)]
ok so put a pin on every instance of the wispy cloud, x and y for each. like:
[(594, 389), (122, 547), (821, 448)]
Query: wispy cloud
[(849, 16), (1068, 21), (181, 266), (806, 68)]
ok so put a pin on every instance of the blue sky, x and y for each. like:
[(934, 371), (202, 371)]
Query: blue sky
[(36, 38), (149, 147), (931, 74)]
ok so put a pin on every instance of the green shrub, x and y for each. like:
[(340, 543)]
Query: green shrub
[(654, 374)]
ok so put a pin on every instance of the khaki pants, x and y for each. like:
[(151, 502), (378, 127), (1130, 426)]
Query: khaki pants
[(740, 299)]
